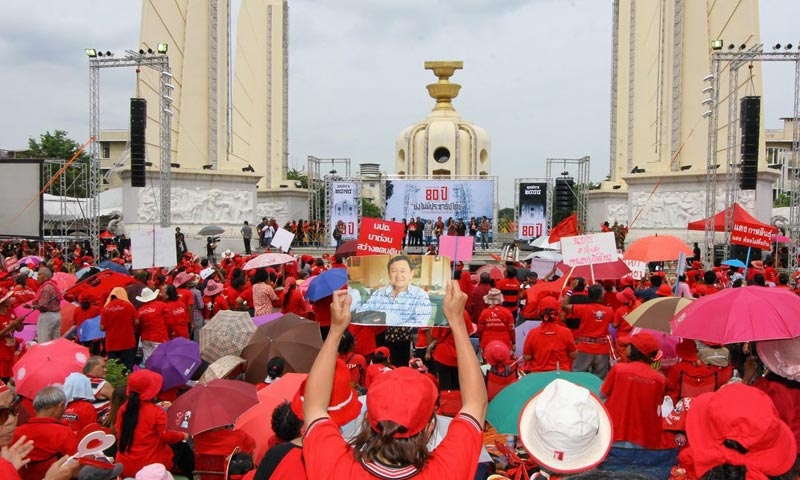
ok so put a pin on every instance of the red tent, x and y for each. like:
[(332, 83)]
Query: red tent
[(740, 215)]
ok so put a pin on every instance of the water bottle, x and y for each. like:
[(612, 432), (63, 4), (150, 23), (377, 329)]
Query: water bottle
[(735, 377)]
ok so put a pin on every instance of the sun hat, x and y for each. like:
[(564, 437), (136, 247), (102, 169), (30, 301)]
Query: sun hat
[(565, 428), (626, 296), (146, 383), (496, 353), (147, 295), (745, 415), (782, 357), (687, 350), (154, 471), (494, 297), (182, 279), (647, 344), (212, 288), (404, 397), (344, 405), (664, 290), (757, 264)]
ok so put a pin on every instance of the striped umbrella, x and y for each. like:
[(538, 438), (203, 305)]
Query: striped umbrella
[(655, 314), (227, 333)]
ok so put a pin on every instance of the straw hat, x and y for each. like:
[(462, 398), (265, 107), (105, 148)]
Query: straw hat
[(494, 297), (147, 295)]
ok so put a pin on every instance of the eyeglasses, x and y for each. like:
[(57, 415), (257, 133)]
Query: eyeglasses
[(10, 410)]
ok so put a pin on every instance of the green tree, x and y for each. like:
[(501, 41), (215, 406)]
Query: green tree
[(369, 209), (57, 145), (782, 200), (295, 174)]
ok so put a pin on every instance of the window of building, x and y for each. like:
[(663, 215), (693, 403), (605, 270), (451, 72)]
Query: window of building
[(105, 150)]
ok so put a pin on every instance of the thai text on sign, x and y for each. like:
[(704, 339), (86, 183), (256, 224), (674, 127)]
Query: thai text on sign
[(379, 237), (589, 249), (751, 235)]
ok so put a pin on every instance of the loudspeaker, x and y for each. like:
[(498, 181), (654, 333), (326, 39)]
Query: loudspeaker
[(137, 130), (750, 124), (564, 199)]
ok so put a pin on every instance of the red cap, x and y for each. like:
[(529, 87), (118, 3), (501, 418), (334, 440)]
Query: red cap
[(383, 351), (626, 281), (146, 383), (748, 416), (344, 405), (626, 296), (647, 344), (403, 396), (687, 350), (496, 353), (664, 290), (548, 302)]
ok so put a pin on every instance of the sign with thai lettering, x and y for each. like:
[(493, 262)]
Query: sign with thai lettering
[(379, 237), (751, 235), (589, 249)]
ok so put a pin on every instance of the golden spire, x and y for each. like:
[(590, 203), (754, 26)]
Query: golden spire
[(444, 91)]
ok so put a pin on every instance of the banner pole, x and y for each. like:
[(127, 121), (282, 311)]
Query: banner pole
[(747, 263), (455, 256)]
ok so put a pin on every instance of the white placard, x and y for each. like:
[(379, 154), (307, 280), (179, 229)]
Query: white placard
[(282, 239), (589, 249), (638, 268), (153, 248)]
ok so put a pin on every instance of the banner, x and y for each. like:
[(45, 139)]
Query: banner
[(153, 248), (588, 249), (431, 199), (379, 237), (751, 235), (344, 199), (531, 205), (458, 249)]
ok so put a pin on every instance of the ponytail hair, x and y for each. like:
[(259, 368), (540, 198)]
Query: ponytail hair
[(371, 445), (129, 421)]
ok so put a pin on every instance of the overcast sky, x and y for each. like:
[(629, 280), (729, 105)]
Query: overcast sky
[(536, 74)]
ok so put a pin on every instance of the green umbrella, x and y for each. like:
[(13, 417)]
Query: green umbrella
[(504, 409)]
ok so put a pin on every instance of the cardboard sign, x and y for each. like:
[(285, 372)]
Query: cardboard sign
[(379, 237), (638, 268), (751, 235), (589, 249), (458, 248), (282, 239), (153, 248), (398, 290)]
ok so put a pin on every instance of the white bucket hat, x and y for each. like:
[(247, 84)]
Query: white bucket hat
[(147, 295), (566, 428)]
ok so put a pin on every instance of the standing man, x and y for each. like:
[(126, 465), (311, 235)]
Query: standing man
[(260, 231), (180, 244), (247, 235), (337, 233), (47, 302), (485, 227), (269, 232), (592, 338)]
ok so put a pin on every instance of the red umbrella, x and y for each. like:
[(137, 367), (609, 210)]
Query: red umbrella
[(257, 420), (740, 315), (47, 364), (657, 248), (347, 249), (99, 285), (106, 235), (210, 405), (495, 271), (608, 270)]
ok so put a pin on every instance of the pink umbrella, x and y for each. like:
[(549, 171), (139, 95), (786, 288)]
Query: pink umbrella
[(64, 280), (740, 315), (32, 315), (268, 259), (781, 239), (667, 344)]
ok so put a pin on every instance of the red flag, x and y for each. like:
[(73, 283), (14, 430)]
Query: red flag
[(565, 228)]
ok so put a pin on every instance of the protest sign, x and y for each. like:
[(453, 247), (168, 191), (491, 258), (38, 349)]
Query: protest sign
[(638, 268), (282, 239), (379, 237), (751, 235), (398, 290), (153, 248), (458, 248), (589, 249)]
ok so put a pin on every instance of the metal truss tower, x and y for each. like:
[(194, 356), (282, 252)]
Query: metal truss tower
[(213, 45), (68, 227), (318, 171), (581, 183)]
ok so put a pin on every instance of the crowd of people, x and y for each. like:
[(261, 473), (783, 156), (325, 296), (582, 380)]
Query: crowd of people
[(744, 400)]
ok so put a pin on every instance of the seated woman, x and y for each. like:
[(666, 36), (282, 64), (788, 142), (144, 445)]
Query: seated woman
[(80, 411)]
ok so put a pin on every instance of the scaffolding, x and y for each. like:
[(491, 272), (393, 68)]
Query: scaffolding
[(318, 170), (581, 184), (73, 215), (734, 60)]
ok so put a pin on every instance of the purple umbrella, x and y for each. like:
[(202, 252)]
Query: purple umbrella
[(262, 319), (176, 361)]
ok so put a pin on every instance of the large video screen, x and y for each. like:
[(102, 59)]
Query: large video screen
[(20, 184)]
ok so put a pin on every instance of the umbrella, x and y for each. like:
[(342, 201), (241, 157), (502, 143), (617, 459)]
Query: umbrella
[(210, 405), (667, 343), (495, 271), (48, 363), (226, 333), (31, 315), (113, 266), (781, 239), (734, 262), (743, 314), (64, 280), (257, 421), (294, 338), (606, 270), (504, 410), (34, 259), (655, 314), (28, 333), (176, 361), (88, 271), (544, 242), (211, 230), (90, 330), (262, 319), (522, 331), (106, 235), (544, 255), (541, 287), (268, 259), (324, 284), (99, 285), (222, 367), (657, 248), (347, 249)]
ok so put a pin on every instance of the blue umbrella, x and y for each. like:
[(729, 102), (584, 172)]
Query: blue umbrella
[(176, 361), (734, 262), (114, 267), (326, 283), (90, 330)]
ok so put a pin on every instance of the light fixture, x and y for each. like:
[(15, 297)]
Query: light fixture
[(565, 173), (162, 48), (775, 166), (91, 52), (148, 164), (707, 101), (636, 169), (141, 51), (282, 185), (617, 187), (168, 111), (742, 46), (685, 167), (716, 44), (708, 77), (175, 165), (166, 74), (150, 51), (169, 85), (298, 184), (248, 168), (208, 167), (777, 46), (333, 172), (707, 113), (731, 46), (708, 89), (788, 46), (168, 98), (715, 166)]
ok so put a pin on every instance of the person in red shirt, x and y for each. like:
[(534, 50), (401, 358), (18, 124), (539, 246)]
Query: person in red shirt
[(176, 317), (141, 426), (627, 303), (689, 365), (51, 437), (80, 411), (119, 320), (214, 299), (181, 285), (400, 409), (292, 300), (464, 279), (496, 322), (356, 363), (442, 350), (708, 287), (634, 392), (322, 314), (509, 287), (283, 461), (152, 328), (592, 338), (379, 365), (550, 346), (8, 325), (475, 304)]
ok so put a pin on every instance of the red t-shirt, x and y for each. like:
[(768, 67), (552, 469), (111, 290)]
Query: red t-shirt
[(322, 311), (291, 467), (624, 328), (357, 365), (151, 322), (634, 394), (220, 303), (674, 378), (786, 400), (593, 328), (117, 321), (550, 345), (222, 441), (8, 471), (509, 287), (51, 438), (465, 282), (78, 414), (445, 351), (82, 315), (176, 317), (151, 440), (328, 456), (296, 305), (496, 323)]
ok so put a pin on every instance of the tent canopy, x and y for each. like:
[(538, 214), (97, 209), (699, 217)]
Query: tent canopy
[(740, 215)]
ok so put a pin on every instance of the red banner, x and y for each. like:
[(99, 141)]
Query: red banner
[(379, 237), (751, 235)]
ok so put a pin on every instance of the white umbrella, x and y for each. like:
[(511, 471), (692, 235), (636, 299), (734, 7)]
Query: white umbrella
[(267, 260), (544, 242), (545, 255)]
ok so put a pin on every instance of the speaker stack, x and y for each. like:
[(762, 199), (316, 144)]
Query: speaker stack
[(751, 115), (138, 125)]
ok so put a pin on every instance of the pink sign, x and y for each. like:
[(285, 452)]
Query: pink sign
[(459, 249), (379, 237)]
